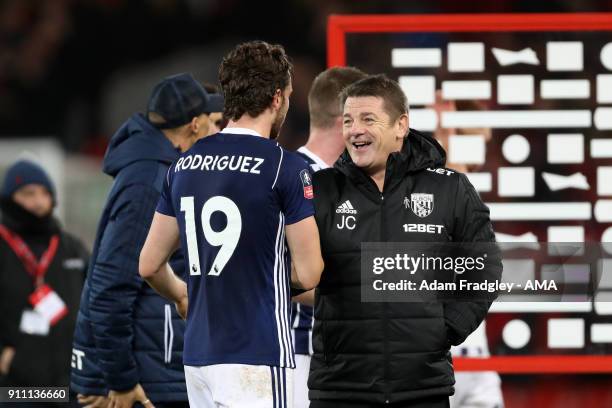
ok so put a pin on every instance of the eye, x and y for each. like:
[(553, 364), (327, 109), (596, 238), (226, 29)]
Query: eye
[(347, 122), (369, 120)]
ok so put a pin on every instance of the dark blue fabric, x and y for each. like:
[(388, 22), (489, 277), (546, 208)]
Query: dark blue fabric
[(25, 172), (301, 315), (238, 304), (123, 327), (301, 322), (180, 98)]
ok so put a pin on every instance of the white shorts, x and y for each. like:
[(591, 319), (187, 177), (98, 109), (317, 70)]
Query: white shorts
[(300, 383), (481, 389), (239, 386)]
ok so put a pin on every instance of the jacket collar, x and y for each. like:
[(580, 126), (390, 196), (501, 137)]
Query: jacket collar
[(240, 131), (316, 159), (26, 224), (137, 140), (418, 152)]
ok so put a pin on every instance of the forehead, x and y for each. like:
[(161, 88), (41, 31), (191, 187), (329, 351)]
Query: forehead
[(31, 188), (360, 104)]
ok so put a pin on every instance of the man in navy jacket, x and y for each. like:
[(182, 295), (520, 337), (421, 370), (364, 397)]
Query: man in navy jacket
[(128, 341)]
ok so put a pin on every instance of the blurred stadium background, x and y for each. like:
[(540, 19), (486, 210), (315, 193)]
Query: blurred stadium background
[(71, 71)]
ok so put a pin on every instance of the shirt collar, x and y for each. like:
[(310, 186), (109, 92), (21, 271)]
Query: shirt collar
[(240, 131), (318, 161)]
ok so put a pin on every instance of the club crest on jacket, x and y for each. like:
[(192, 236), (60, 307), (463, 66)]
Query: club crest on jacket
[(421, 204)]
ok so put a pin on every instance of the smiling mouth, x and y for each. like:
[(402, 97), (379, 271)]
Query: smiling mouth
[(361, 145)]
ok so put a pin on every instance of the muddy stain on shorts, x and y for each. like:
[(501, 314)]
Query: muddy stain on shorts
[(257, 380)]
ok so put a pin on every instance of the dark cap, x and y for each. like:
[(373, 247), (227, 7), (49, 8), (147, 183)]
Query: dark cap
[(177, 99), (22, 173)]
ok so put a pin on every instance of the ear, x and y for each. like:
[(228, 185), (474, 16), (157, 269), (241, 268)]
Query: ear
[(338, 124), (194, 125), (277, 100), (402, 125)]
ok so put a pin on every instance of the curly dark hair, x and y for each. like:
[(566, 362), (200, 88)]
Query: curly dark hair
[(250, 75)]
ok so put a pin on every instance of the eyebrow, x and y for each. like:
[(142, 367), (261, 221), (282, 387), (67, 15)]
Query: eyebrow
[(362, 114)]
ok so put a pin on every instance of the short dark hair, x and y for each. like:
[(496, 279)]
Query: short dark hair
[(250, 75), (394, 99), (324, 94)]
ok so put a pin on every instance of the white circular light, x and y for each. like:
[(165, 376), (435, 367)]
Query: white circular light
[(516, 149), (606, 56), (516, 334)]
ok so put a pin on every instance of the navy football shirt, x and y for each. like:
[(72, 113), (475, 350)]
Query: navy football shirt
[(232, 195), (302, 315)]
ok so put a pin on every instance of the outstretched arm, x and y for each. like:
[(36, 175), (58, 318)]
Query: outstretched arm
[(303, 242), (162, 241)]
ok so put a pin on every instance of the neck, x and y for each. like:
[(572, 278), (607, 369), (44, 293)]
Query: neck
[(178, 140), (379, 179), (379, 175), (326, 143), (260, 124)]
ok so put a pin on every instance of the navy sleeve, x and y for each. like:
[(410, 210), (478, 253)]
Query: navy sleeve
[(115, 283), (164, 206), (294, 185)]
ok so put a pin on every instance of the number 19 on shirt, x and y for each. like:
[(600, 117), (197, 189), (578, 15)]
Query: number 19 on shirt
[(227, 238)]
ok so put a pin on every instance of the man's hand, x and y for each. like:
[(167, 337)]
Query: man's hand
[(442, 134), (181, 307), (126, 399), (6, 358), (93, 401), (305, 249)]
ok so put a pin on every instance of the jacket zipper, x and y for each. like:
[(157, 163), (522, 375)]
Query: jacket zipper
[(385, 305)]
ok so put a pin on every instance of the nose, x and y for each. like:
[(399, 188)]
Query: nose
[(356, 129)]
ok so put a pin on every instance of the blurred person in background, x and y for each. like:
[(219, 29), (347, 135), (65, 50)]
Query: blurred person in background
[(42, 270), (216, 119), (128, 342), (472, 389), (324, 146)]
